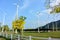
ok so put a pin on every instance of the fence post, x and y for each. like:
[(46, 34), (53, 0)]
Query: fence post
[(3, 34), (30, 38), (6, 35), (18, 37), (11, 36), (0, 33)]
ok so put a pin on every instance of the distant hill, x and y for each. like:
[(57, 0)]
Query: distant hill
[(55, 24)]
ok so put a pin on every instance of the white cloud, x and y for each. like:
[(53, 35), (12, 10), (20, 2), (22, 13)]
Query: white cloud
[(25, 4), (47, 10), (40, 13), (54, 3)]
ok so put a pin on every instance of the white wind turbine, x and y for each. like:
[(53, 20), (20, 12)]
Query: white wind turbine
[(17, 10), (38, 16), (51, 4), (3, 22), (41, 14), (4, 16)]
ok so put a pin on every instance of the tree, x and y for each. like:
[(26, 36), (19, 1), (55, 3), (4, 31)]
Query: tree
[(56, 9), (19, 24), (0, 26), (6, 28), (22, 18)]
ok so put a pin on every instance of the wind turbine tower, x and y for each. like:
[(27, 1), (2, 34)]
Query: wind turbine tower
[(3, 22), (17, 10)]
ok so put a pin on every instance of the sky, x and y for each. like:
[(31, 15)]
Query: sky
[(35, 11)]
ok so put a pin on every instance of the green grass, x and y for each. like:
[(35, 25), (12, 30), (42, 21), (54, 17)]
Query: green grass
[(2, 39), (43, 34)]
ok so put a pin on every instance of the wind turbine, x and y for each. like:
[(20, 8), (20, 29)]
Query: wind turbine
[(3, 19), (56, 23), (48, 24), (38, 14), (53, 25), (3, 22), (48, 5), (17, 10)]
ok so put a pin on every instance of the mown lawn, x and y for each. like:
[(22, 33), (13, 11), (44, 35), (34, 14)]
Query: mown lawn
[(43, 34)]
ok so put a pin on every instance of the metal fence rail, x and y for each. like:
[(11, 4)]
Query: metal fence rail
[(19, 37)]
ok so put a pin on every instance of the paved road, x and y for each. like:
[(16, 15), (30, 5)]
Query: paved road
[(55, 39), (52, 39)]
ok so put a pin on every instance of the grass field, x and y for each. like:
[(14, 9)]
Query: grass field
[(43, 34)]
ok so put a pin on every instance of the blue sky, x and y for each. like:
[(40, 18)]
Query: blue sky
[(28, 8)]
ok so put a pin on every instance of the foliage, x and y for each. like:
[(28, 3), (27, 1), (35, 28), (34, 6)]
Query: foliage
[(19, 24), (6, 28), (56, 9), (22, 18), (0, 26)]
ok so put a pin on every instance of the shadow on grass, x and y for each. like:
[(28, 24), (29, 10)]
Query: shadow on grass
[(5, 38)]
